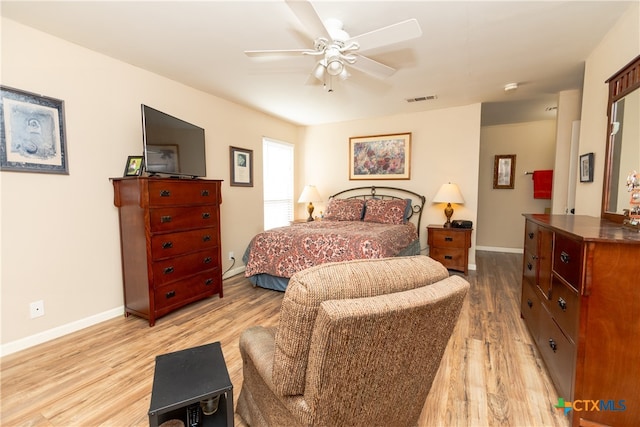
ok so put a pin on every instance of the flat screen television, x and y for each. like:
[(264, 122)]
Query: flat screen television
[(172, 146)]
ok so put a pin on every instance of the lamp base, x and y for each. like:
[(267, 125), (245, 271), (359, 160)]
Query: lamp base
[(448, 212), (310, 210)]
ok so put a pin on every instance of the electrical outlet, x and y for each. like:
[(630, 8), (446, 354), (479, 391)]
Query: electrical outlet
[(36, 309), (231, 256)]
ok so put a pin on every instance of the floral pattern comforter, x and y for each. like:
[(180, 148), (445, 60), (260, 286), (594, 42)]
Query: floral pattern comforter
[(286, 250)]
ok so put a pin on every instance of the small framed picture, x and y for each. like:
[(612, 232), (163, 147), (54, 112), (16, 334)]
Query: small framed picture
[(586, 167), (133, 166), (504, 169), (241, 165), (32, 133)]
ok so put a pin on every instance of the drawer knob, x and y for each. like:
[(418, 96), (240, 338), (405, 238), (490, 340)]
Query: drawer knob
[(531, 235), (207, 260), (204, 193), (165, 193), (553, 345), (529, 303), (564, 257), (448, 257), (448, 239), (208, 282), (206, 238), (562, 304), (167, 245), (206, 215), (170, 294), (168, 270), (530, 266), (165, 219)]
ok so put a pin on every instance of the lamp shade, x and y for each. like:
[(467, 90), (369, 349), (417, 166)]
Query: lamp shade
[(309, 194), (448, 193)]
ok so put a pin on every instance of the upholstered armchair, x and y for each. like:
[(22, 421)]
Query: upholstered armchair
[(358, 344)]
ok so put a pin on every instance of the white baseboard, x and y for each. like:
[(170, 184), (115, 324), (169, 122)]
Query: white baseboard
[(497, 249), (57, 332), (233, 272)]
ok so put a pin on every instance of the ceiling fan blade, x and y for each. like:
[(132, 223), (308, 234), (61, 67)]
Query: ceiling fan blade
[(272, 53), (308, 16), (375, 68), (395, 33)]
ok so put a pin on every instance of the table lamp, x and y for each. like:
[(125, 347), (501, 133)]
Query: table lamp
[(309, 195), (448, 193)]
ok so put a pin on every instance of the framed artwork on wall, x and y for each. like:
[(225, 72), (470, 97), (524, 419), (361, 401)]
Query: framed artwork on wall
[(241, 167), (586, 167), (380, 157), (504, 169), (32, 135)]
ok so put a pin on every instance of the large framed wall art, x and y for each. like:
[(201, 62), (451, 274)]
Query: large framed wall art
[(380, 157), (32, 133)]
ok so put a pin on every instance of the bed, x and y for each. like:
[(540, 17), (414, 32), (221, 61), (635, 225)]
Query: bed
[(359, 223)]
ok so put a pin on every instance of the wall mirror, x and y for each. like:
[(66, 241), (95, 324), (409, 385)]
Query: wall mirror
[(623, 140)]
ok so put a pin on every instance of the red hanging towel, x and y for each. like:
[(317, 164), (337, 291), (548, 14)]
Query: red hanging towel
[(542, 183)]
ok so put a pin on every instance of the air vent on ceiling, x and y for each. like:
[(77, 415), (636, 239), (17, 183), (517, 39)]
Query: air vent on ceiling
[(422, 98)]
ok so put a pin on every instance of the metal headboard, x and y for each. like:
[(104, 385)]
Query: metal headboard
[(372, 192)]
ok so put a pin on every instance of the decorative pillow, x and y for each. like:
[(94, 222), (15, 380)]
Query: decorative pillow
[(385, 211), (344, 210)]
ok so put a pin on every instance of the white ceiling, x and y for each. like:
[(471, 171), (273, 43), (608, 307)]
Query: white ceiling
[(468, 51)]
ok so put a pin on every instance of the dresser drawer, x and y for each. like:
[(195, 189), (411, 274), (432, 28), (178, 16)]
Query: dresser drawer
[(176, 192), (558, 353), (564, 306), (567, 259), (531, 237), (173, 269), (173, 244), (181, 292), (530, 307), (173, 219), (453, 258), (530, 267)]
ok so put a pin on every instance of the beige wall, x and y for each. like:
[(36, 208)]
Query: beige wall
[(444, 148), (59, 234), (566, 161), (60, 241), (617, 49), (500, 210)]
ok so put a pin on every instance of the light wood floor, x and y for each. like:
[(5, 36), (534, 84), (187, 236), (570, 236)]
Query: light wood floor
[(490, 375)]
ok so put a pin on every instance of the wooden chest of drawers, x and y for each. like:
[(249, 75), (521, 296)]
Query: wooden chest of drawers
[(450, 246), (580, 303), (170, 240)]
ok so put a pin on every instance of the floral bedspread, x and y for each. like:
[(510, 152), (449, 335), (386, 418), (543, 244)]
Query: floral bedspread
[(286, 250)]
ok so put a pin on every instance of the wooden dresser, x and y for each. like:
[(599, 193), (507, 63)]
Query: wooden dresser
[(581, 304), (170, 241), (450, 246)]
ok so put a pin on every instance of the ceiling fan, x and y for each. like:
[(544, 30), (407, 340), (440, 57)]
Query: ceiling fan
[(336, 50)]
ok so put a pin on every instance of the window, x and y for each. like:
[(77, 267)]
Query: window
[(278, 183)]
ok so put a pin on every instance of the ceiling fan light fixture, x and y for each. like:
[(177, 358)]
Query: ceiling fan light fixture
[(335, 66), (318, 71), (344, 75)]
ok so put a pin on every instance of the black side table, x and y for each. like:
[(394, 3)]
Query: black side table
[(185, 378)]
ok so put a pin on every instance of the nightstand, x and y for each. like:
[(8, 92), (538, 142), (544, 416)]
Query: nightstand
[(450, 246)]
